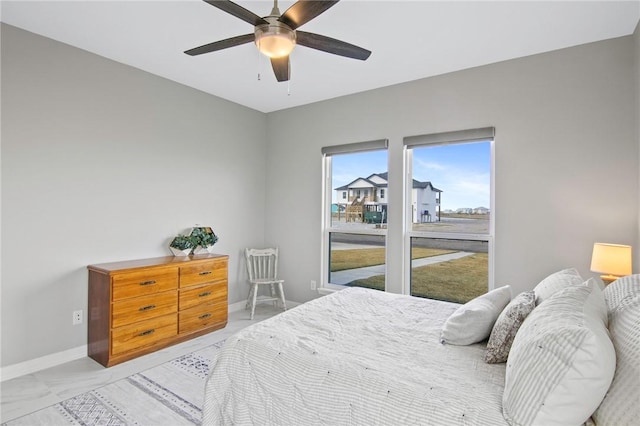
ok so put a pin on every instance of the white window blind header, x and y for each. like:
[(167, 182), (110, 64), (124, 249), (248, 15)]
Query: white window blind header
[(456, 136), (356, 147)]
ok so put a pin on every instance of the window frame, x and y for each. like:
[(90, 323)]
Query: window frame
[(327, 190), (465, 136)]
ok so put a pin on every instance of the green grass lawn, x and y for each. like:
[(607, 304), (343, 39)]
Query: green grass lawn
[(457, 280), (359, 258)]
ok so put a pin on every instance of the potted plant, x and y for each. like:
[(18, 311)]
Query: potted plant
[(182, 245), (204, 238)]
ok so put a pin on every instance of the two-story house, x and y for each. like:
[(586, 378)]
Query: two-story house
[(366, 199)]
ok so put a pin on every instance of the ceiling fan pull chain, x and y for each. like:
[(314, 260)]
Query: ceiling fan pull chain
[(258, 65)]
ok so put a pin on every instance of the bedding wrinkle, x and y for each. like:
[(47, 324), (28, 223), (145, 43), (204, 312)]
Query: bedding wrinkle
[(358, 357)]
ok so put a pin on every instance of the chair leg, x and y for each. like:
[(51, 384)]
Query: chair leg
[(248, 304), (253, 299), (284, 305), (273, 294)]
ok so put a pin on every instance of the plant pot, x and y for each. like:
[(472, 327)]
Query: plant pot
[(203, 250), (178, 252)]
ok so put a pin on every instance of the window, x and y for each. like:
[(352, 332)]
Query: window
[(382, 193), (449, 214), (354, 228), (344, 195)]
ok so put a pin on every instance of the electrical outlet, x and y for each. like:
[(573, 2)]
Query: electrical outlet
[(313, 285), (77, 317)]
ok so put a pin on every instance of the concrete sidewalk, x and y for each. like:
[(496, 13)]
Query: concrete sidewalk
[(348, 275)]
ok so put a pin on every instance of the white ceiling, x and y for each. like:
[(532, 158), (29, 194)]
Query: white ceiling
[(409, 40)]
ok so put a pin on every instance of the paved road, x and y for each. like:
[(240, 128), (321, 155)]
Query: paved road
[(348, 275)]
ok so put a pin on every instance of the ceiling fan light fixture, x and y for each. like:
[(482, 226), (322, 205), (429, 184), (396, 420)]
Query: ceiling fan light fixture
[(275, 40)]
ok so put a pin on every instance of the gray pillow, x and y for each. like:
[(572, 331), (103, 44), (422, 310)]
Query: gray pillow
[(507, 325)]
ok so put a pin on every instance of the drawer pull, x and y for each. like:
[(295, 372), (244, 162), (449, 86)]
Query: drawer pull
[(206, 293), (148, 332), (204, 316), (146, 308), (205, 273), (148, 282)]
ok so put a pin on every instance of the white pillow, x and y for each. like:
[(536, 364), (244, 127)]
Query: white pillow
[(473, 321), (555, 282), (621, 405), (561, 362), (619, 292), (596, 305)]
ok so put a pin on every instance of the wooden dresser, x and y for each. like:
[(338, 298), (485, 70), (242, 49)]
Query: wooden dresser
[(139, 306)]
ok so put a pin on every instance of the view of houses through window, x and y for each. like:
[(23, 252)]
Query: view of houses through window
[(447, 214), (357, 232)]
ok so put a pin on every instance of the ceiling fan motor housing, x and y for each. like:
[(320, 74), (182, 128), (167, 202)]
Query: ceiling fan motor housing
[(275, 39)]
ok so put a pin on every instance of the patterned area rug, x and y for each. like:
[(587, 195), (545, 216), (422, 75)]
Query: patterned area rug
[(169, 394)]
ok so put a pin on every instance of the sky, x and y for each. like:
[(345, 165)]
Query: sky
[(461, 171)]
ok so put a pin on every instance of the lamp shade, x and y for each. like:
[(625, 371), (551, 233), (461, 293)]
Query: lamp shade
[(611, 259)]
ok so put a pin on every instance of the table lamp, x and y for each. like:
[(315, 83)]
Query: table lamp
[(612, 260)]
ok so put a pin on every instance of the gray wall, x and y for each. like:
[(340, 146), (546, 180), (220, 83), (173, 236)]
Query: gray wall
[(566, 158), (96, 155), (636, 38), (102, 162)]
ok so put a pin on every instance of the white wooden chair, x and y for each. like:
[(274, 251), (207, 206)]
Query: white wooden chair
[(262, 267)]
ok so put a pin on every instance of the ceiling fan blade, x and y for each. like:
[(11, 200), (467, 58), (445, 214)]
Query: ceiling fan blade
[(303, 11), (281, 68), (237, 11), (222, 44), (331, 45)]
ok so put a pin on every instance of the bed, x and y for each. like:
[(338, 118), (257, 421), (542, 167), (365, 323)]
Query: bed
[(357, 356)]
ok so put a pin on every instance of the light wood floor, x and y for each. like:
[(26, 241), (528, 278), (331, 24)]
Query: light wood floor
[(32, 392)]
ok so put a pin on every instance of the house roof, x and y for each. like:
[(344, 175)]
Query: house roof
[(385, 176), (418, 184), (347, 186)]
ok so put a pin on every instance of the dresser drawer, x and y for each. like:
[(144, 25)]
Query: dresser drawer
[(208, 293), (143, 308), (143, 333), (203, 273), (202, 316), (134, 284)]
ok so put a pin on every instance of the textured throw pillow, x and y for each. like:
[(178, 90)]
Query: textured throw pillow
[(621, 405), (473, 321), (561, 362), (507, 325), (555, 282)]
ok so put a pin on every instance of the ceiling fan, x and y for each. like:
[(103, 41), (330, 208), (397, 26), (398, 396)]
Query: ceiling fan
[(276, 35)]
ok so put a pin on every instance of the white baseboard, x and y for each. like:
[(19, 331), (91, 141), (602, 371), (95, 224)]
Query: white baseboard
[(27, 367), (238, 306)]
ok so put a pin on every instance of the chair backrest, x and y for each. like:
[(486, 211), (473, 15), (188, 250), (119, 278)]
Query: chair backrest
[(262, 264)]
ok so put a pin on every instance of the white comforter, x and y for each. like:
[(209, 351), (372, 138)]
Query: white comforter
[(355, 357)]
